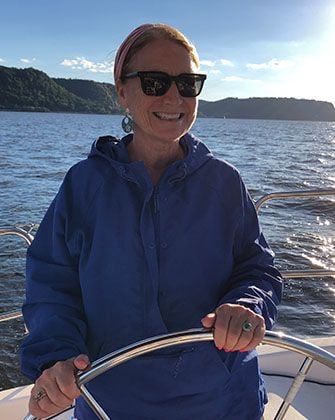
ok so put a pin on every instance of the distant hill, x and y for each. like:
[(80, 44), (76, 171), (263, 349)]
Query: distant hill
[(102, 95), (33, 90), (269, 108)]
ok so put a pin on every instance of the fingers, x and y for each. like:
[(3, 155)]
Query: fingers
[(55, 392), (40, 405), (229, 333), (221, 330), (35, 400), (81, 362), (208, 321), (56, 388), (257, 337)]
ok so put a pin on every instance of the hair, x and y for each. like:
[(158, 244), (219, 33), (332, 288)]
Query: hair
[(142, 36)]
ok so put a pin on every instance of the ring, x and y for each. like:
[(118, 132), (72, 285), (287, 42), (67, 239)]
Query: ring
[(247, 326), (39, 395)]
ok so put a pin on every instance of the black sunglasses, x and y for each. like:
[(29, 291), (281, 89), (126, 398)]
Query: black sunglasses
[(157, 83)]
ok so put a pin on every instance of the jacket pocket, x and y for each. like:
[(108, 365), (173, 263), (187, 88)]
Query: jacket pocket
[(203, 370)]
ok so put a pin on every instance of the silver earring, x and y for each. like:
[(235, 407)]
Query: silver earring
[(127, 123)]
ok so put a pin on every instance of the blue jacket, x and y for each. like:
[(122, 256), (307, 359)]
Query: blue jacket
[(117, 260)]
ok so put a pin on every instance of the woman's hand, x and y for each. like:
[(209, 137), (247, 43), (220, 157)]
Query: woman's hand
[(236, 328), (56, 388)]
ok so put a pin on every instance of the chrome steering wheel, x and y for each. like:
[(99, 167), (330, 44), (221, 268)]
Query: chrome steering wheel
[(311, 352)]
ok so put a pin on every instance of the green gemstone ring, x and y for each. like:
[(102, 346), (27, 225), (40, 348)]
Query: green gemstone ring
[(247, 326)]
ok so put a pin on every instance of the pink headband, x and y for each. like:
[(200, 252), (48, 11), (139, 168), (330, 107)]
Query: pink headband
[(125, 47)]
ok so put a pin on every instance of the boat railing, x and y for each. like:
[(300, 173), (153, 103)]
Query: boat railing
[(25, 232)]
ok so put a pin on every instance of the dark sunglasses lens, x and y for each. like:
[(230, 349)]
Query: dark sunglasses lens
[(190, 85), (155, 84)]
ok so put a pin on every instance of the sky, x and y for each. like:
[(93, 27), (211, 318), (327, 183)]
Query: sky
[(250, 48)]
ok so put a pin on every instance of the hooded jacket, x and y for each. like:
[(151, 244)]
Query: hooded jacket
[(117, 259)]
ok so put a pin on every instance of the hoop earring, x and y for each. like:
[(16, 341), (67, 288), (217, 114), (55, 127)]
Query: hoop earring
[(127, 123)]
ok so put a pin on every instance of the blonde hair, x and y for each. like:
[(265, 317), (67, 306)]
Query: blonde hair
[(141, 37)]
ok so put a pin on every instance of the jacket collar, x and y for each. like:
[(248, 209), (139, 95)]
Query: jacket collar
[(115, 152)]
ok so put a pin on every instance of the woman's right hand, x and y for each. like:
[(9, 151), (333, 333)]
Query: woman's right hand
[(56, 388)]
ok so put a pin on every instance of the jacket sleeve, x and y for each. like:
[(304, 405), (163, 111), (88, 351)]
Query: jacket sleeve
[(53, 309), (255, 282)]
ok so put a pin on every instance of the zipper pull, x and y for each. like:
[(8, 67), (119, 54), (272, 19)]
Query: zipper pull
[(156, 202)]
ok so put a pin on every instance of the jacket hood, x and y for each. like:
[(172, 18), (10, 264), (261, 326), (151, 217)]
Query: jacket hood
[(115, 151)]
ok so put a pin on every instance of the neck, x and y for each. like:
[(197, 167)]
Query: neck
[(156, 156)]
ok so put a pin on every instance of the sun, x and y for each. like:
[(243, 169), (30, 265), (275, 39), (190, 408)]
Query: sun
[(327, 58), (314, 78)]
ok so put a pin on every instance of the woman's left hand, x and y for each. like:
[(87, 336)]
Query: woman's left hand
[(235, 327)]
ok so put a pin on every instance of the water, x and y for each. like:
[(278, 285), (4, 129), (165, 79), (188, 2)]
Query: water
[(37, 149)]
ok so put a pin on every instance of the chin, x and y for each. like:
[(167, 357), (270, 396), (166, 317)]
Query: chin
[(171, 135), (172, 132)]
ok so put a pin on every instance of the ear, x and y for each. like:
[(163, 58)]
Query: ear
[(120, 89)]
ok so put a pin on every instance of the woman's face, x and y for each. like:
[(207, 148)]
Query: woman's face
[(163, 118)]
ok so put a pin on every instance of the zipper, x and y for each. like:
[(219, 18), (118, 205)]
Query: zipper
[(156, 201), (155, 209)]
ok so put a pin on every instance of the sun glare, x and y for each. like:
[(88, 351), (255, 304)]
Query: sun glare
[(327, 59), (315, 68)]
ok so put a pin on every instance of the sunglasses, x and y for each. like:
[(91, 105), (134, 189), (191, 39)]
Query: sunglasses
[(157, 83)]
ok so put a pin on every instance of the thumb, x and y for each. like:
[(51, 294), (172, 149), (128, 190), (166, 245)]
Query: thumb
[(81, 362), (208, 321)]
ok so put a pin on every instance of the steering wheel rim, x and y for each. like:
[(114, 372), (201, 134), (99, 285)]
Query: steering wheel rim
[(115, 358)]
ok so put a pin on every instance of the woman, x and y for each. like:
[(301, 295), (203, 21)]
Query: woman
[(151, 234)]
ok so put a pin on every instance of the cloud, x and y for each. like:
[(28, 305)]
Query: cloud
[(296, 44), (1, 60), (232, 79), (207, 63), (215, 71), (238, 79), (222, 62), (81, 63), (273, 64), (27, 60), (227, 63)]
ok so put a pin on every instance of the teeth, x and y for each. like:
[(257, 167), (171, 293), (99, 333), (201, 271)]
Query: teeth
[(165, 116)]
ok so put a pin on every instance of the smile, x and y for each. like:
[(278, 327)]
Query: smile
[(168, 116)]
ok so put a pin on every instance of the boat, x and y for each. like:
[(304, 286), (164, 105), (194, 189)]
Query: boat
[(299, 374)]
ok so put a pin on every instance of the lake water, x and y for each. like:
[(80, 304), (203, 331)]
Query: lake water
[(37, 149)]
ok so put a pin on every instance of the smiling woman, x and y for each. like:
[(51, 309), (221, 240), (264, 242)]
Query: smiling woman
[(151, 234), (161, 112)]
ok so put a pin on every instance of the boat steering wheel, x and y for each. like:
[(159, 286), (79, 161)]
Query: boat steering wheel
[(311, 352)]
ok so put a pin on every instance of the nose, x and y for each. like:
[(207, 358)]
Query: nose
[(173, 95)]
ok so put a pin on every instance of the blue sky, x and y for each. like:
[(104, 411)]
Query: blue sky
[(283, 48)]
